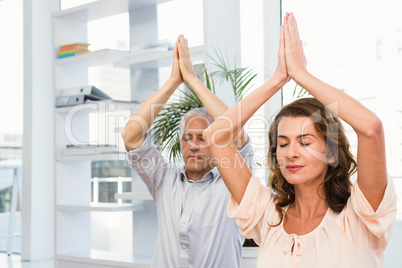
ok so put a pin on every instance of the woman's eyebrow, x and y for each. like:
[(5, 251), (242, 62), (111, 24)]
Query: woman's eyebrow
[(305, 135), (299, 136)]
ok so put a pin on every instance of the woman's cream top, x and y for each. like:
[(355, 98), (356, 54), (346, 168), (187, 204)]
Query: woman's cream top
[(355, 237)]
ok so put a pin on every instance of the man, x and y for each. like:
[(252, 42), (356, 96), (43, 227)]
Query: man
[(191, 201)]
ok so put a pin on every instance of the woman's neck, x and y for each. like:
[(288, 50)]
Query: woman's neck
[(309, 202)]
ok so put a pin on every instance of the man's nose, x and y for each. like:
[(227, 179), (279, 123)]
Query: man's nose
[(194, 145)]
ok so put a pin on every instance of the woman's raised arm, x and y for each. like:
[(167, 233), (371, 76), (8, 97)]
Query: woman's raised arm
[(221, 133), (371, 159)]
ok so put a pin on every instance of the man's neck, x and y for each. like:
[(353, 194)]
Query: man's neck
[(195, 176)]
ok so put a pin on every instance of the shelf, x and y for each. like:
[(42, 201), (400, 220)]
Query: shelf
[(157, 59), (133, 196), (94, 157), (103, 8), (95, 58), (106, 207), (94, 106), (106, 258)]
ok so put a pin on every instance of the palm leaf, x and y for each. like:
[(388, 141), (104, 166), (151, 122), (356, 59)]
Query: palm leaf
[(240, 78), (301, 93)]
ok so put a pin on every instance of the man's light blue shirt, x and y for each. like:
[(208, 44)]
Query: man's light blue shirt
[(194, 227)]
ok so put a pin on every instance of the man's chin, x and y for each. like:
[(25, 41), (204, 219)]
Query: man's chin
[(197, 168)]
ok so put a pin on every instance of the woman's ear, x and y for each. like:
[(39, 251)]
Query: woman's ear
[(331, 159)]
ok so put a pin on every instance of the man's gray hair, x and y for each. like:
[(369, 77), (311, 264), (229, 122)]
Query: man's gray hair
[(196, 112)]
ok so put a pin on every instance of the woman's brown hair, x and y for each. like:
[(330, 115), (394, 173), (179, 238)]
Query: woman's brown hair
[(337, 184)]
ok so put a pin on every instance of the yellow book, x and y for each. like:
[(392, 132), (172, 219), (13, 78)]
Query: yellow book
[(62, 52)]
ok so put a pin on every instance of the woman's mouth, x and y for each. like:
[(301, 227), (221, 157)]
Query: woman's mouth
[(293, 168)]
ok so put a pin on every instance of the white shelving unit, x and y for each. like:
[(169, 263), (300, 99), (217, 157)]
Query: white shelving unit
[(93, 58), (134, 196), (73, 173), (107, 207), (100, 258), (74, 207), (157, 59)]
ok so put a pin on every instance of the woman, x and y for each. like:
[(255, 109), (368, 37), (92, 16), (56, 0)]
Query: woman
[(310, 216)]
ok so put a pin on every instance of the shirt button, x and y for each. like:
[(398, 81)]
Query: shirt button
[(183, 247)]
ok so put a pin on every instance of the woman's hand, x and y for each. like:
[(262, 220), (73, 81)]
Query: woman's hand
[(176, 76), (186, 66), (281, 72), (294, 52)]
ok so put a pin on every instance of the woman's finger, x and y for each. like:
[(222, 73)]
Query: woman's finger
[(187, 49), (295, 30), (176, 49), (287, 40), (296, 27)]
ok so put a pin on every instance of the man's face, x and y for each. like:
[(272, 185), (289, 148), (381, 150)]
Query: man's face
[(196, 155)]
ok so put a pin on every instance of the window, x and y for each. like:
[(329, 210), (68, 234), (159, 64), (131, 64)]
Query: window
[(360, 55), (11, 86), (356, 46)]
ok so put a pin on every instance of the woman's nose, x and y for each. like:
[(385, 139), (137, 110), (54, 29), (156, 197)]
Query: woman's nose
[(292, 151)]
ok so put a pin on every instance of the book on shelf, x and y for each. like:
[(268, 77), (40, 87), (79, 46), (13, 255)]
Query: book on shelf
[(71, 54), (90, 149), (74, 46), (73, 50)]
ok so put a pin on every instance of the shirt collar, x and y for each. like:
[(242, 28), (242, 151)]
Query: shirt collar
[(210, 175)]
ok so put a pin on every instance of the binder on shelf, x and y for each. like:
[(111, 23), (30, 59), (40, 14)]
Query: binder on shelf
[(163, 45), (75, 99), (79, 95), (84, 90)]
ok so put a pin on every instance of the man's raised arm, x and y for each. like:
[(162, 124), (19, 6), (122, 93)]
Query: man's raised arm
[(139, 123), (211, 102)]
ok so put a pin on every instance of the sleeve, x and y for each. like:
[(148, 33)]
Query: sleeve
[(150, 165), (250, 213), (367, 227), (247, 153)]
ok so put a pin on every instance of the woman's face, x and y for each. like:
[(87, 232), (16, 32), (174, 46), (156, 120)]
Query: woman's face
[(301, 151)]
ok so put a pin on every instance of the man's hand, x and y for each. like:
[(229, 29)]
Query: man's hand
[(186, 66), (176, 76)]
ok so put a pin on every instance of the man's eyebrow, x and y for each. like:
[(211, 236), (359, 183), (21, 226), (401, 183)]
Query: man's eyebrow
[(189, 134)]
